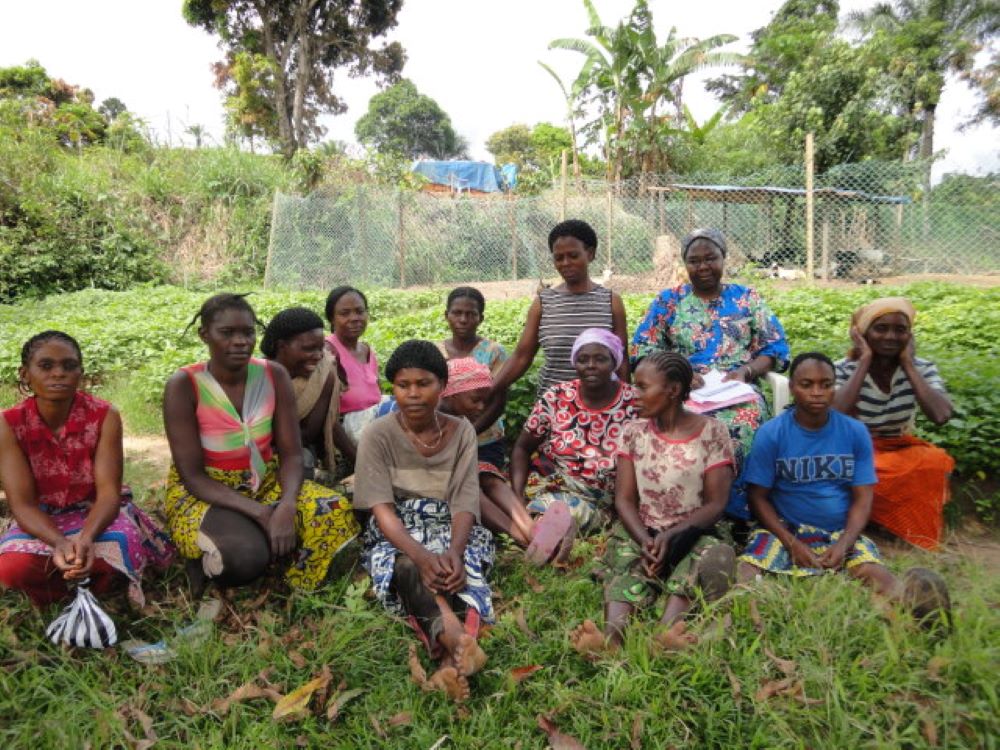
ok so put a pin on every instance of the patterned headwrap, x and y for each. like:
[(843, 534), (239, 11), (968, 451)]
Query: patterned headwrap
[(710, 235), (601, 336), (466, 374), (865, 315)]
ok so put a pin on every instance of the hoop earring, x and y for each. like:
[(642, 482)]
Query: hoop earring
[(24, 387)]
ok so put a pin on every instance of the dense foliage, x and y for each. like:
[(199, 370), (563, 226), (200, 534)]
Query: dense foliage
[(142, 333), (97, 205)]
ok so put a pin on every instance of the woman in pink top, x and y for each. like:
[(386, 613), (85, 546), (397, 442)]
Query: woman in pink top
[(347, 312)]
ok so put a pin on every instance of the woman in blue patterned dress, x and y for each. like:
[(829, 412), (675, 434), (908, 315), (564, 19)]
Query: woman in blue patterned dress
[(726, 327)]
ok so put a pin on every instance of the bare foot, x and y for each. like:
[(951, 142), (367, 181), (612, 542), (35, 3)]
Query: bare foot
[(468, 655), (588, 640), (675, 638), (448, 680)]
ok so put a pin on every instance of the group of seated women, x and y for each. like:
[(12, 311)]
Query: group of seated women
[(690, 501)]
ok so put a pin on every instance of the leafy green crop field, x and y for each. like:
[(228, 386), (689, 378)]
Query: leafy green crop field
[(809, 664), (133, 340)]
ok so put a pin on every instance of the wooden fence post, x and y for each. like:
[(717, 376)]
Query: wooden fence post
[(611, 221), (809, 208), (512, 216), (562, 204), (400, 240)]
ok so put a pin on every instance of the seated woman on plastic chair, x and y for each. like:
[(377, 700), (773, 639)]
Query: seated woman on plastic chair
[(721, 326)]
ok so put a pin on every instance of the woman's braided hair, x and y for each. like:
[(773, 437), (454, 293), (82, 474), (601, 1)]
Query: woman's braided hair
[(674, 367), (288, 324), (466, 292), (420, 354), (215, 304)]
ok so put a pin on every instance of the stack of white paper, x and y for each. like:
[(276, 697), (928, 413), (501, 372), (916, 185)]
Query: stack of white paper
[(717, 393)]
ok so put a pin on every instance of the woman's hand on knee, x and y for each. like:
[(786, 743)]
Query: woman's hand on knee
[(432, 571), (802, 555), (454, 581), (281, 529), (74, 557)]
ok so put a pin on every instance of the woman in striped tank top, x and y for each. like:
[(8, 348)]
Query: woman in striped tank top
[(561, 313), (882, 382), (231, 506)]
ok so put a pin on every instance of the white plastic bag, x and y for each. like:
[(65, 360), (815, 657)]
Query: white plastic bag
[(83, 623)]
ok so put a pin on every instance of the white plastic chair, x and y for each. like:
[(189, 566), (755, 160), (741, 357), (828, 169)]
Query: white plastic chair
[(780, 395)]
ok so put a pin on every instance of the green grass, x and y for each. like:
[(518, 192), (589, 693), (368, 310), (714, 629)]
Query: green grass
[(869, 680)]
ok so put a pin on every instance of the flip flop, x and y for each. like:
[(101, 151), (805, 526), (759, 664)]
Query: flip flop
[(549, 532), (565, 547)]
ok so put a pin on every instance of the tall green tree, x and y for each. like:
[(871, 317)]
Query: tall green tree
[(301, 44), (404, 122), (112, 107), (930, 39), (796, 33), (629, 77)]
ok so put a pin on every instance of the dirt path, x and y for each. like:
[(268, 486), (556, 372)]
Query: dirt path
[(151, 449)]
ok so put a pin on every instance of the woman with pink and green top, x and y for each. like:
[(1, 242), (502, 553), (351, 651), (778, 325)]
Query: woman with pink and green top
[(236, 498), (347, 311)]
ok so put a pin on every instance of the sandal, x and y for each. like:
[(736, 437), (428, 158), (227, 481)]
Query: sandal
[(549, 533)]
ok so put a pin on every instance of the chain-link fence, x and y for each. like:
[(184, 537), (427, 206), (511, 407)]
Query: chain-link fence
[(869, 220)]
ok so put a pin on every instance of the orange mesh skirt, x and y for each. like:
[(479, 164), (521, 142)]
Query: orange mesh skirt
[(912, 488)]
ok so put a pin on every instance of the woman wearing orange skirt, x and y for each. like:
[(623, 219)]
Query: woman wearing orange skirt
[(882, 382)]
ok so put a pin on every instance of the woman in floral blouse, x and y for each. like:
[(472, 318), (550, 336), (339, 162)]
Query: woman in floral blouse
[(726, 327)]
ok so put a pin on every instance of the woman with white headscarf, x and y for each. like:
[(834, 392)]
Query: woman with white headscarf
[(576, 427)]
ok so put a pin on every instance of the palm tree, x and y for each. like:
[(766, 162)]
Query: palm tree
[(932, 38), (570, 97), (627, 75)]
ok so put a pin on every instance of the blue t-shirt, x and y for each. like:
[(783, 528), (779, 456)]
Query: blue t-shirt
[(811, 472)]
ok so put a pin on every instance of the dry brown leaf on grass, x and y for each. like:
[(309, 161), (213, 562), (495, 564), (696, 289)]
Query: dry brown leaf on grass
[(340, 699), (297, 659), (635, 739), (189, 707), (522, 624), (774, 687), (520, 674), (935, 665), (755, 617), (787, 666), (402, 719), (292, 635), (248, 691), (533, 583), (734, 684), (788, 687), (929, 730), (149, 734), (377, 727), (558, 740), (295, 705), (257, 603), (417, 672)]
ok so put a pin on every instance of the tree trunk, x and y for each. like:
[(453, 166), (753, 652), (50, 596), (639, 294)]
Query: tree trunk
[(303, 70), (927, 133), (280, 102)]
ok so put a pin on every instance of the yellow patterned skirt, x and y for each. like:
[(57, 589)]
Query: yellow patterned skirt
[(324, 520)]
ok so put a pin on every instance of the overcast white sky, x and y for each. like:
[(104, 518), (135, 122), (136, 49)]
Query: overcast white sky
[(477, 58)]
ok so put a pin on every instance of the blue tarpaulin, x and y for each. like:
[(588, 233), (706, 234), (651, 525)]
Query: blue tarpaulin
[(461, 175)]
